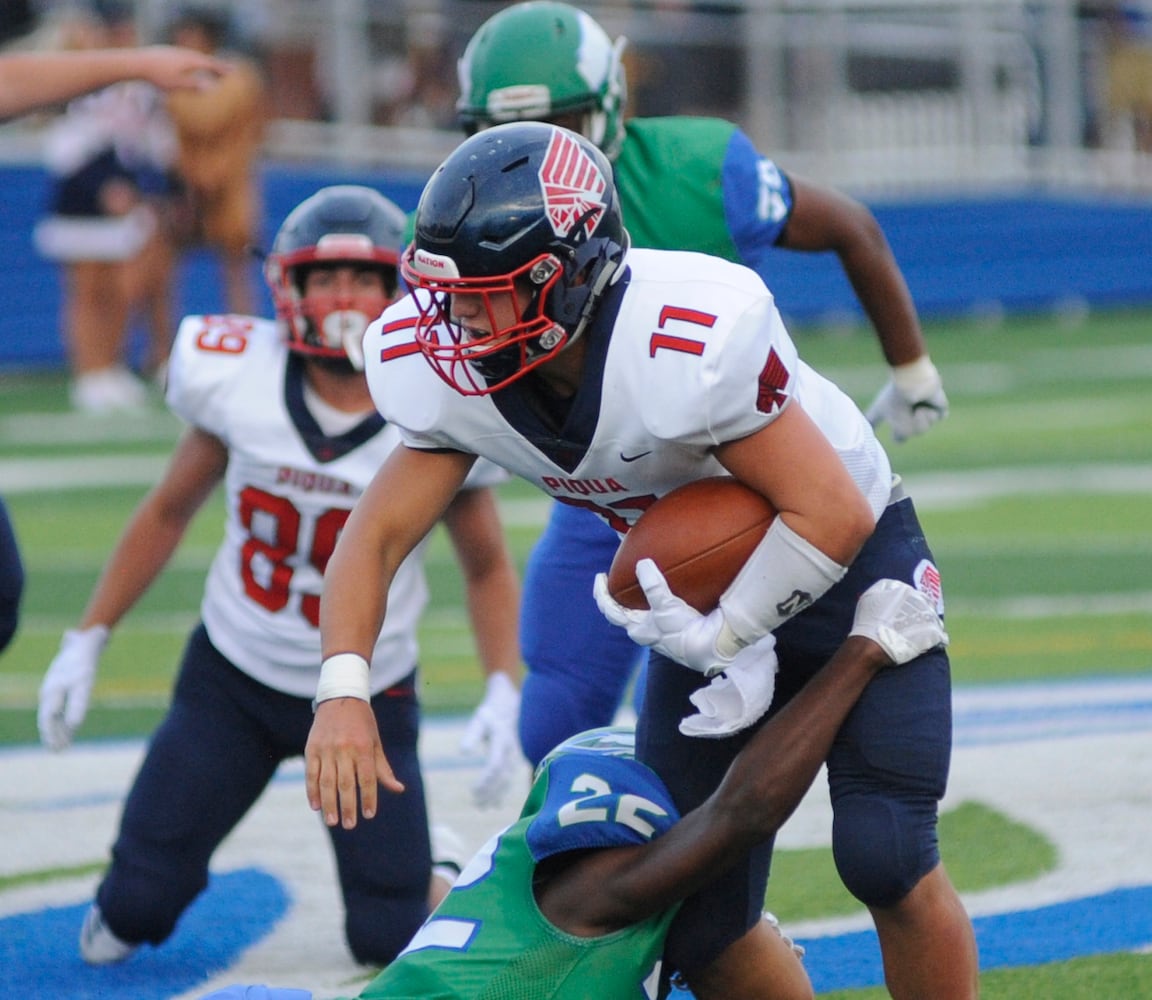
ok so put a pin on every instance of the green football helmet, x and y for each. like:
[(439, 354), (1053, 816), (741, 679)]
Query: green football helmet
[(540, 61)]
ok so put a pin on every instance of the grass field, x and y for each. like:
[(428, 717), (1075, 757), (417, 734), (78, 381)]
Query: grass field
[(1036, 494)]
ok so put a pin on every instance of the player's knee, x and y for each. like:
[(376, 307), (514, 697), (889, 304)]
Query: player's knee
[(881, 850), (11, 591), (145, 909), (544, 718), (554, 708), (377, 934), (9, 619)]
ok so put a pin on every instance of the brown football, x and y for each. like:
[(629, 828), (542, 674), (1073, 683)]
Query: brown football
[(700, 535)]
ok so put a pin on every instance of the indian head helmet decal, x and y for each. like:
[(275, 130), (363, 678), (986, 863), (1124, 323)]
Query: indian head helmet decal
[(572, 184)]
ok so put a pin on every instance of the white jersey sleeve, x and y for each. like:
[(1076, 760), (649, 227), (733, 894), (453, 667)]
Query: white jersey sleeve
[(289, 491), (718, 364)]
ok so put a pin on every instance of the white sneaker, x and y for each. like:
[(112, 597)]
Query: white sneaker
[(98, 945), (107, 390), (448, 854)]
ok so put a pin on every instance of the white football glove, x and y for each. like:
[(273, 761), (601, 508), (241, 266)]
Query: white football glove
[(737, 698), (912, 401), (903, 621), (670, 625), (494, 726), (67, 685)]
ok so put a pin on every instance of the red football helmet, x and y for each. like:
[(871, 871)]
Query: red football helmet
[(340, 225)]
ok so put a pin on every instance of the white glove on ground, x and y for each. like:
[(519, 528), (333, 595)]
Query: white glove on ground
[(67, 685), (901, 619), (494, 725), (912, 401), (669, 625), (738, 697)]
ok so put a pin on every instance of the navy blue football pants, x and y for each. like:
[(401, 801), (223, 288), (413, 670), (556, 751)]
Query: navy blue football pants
[(220, 744), (886, 772), (11, 579)]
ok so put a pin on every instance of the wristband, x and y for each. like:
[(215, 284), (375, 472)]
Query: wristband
[(343, 675), (784, 575), (917, 379)]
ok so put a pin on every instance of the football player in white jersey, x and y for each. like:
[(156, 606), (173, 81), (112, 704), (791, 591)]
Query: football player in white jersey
[(280, 413), (574, 898), (606, 376)]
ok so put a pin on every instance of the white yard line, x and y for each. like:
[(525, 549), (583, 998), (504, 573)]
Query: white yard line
[(930, 490), (40, 475)]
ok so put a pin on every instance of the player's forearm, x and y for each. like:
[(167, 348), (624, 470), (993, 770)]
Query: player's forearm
[(144, 549), (355, 599), (792, 463), (493, 610), (772, 774), (492, 586), (31, 80), (875, 276)]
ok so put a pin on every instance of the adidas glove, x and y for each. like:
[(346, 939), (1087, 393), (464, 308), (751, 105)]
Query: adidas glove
[(900, 619)]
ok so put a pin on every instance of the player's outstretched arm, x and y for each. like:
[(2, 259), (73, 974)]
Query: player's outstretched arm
[(344, 759), (147, 544), (493, 595), (31, 80), (825, 219), (608, 890)]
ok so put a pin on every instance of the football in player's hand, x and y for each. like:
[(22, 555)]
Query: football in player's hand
[(699, 535)]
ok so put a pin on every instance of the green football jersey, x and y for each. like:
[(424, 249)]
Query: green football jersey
[(488, 939), (670, 177)]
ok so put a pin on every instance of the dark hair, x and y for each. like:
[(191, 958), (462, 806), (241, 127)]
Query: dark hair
[(214, 23), (113, 12)]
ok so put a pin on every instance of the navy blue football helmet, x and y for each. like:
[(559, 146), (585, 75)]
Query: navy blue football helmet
[(524, 213), (341, 224)]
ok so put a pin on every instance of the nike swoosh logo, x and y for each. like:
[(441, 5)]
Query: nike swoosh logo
[(633, 458)]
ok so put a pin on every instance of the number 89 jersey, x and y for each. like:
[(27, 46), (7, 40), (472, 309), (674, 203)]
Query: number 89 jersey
[(289, 489)]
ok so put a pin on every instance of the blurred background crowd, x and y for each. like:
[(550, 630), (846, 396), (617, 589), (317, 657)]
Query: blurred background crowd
[(888, 99), (1051, 73)]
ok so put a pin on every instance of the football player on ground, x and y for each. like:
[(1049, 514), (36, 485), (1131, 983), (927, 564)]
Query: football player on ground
[(575, 898), (685, 184), (607, 376), (281, 414)]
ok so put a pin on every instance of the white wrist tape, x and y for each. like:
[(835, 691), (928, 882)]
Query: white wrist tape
[(783, 576), (343, 675), (917, 379)]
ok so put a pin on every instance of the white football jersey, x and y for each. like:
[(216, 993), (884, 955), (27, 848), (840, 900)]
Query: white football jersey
[(289, 490), (698, 356)]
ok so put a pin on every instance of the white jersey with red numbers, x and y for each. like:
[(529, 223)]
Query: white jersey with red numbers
[(289, 490), (697, 356)]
